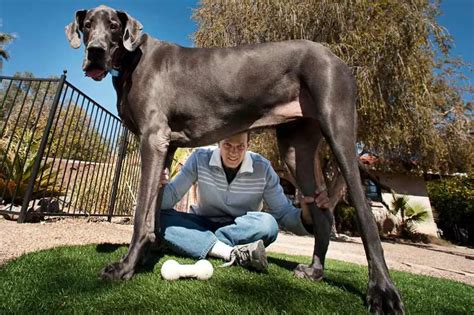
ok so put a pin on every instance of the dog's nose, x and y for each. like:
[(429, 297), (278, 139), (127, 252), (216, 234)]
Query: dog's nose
[(95, 52)]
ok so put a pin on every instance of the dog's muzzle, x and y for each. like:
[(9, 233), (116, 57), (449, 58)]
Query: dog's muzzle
[(95, 64)]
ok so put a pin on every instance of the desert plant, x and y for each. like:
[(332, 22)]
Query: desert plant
[(409, 215), (17, 170)]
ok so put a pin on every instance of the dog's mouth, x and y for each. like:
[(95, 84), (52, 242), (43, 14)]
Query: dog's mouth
[(96, 73)]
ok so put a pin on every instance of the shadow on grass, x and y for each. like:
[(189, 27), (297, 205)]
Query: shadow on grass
[(283, 263), (281, 294), (108, 247), (151, 257), (153, 254), (66, 280), (344, 285), (64, 273)]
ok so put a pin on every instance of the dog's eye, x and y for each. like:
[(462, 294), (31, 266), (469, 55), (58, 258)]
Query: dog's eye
[(87, 25), (114, 26)]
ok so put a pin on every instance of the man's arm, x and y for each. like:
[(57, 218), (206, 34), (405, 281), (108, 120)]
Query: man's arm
[(298, 221), (287, 216), (179, 186)]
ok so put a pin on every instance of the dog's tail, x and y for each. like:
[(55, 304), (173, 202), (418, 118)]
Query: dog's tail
[(365, 173)]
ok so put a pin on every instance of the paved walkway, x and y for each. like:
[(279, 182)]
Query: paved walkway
[(456, 262)]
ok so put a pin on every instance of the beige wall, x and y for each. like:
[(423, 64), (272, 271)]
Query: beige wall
[(415, 188)]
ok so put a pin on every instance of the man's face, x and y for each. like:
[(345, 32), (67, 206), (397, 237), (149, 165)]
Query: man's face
[(233, 150)]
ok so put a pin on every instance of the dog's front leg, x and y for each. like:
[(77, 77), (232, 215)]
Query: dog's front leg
[(154, 225), (153, 150)]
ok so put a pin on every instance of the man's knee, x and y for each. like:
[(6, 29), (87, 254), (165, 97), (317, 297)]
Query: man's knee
[(267, 226)]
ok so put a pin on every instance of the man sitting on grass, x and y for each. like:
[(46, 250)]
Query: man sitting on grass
[(228, 222)]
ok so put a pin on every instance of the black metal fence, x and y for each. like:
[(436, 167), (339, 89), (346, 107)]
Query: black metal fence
[(61, 153)]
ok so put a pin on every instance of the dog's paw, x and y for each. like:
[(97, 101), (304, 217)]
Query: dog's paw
[(115, 271), (383, 298), (311, 272)]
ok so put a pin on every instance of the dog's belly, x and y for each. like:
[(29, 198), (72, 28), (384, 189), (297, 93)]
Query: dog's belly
[(280, 114), (205, 134)]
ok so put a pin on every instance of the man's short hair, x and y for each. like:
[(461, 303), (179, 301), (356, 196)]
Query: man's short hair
[(248, 132)]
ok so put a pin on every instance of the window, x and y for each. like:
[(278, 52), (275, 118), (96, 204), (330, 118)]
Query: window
[(372, 190)]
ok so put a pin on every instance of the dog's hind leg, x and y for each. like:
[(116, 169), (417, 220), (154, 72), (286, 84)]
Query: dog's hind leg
[(337, 120), (153, 152), (382, 295), (298, 142), (333, 93)]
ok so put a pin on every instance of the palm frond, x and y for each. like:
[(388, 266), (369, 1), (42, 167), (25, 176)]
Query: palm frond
[(399, 204)]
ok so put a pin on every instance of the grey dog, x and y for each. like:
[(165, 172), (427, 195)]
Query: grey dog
[(171, 96)]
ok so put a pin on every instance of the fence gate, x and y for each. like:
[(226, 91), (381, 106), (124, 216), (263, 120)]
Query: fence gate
[(61, 153)]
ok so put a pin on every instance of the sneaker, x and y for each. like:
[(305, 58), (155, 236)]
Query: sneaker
[(251, 256)]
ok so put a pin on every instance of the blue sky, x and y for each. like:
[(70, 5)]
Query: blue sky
[(41, 46)]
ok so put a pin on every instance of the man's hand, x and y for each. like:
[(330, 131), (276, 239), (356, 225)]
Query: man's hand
[(164, 178), (322, 201)]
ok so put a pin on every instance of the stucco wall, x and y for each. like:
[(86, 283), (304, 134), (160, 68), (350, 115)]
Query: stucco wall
[(415, 188)]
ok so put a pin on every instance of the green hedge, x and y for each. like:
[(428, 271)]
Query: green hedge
[(453, 202)]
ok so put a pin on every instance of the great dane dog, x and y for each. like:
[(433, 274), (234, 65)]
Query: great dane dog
[(171, 96)]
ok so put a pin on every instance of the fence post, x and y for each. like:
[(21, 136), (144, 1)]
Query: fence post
[(42, 147), (118, 170)]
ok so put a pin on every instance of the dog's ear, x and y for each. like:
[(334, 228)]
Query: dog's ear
[(132, 31), (73, 29)]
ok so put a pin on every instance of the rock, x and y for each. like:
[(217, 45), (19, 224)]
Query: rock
[(49, 205)]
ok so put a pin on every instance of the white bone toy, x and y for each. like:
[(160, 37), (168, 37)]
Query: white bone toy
[(172, 270)]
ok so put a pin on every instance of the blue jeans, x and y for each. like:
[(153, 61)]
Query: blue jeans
[(194, 235)]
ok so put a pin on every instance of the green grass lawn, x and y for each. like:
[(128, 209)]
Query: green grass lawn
[(65, 280)]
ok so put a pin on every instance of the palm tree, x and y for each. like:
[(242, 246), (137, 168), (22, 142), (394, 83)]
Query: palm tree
[(4, 39), (409, 214)]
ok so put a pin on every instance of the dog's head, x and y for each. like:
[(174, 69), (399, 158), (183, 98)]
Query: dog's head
[(107, 33)]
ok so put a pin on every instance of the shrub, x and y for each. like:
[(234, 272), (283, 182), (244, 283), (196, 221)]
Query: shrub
[(346, 219), (453, 201)]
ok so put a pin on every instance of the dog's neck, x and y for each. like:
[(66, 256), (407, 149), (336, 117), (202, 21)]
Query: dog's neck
[(118, 62), (124, 61), (121, 78)]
